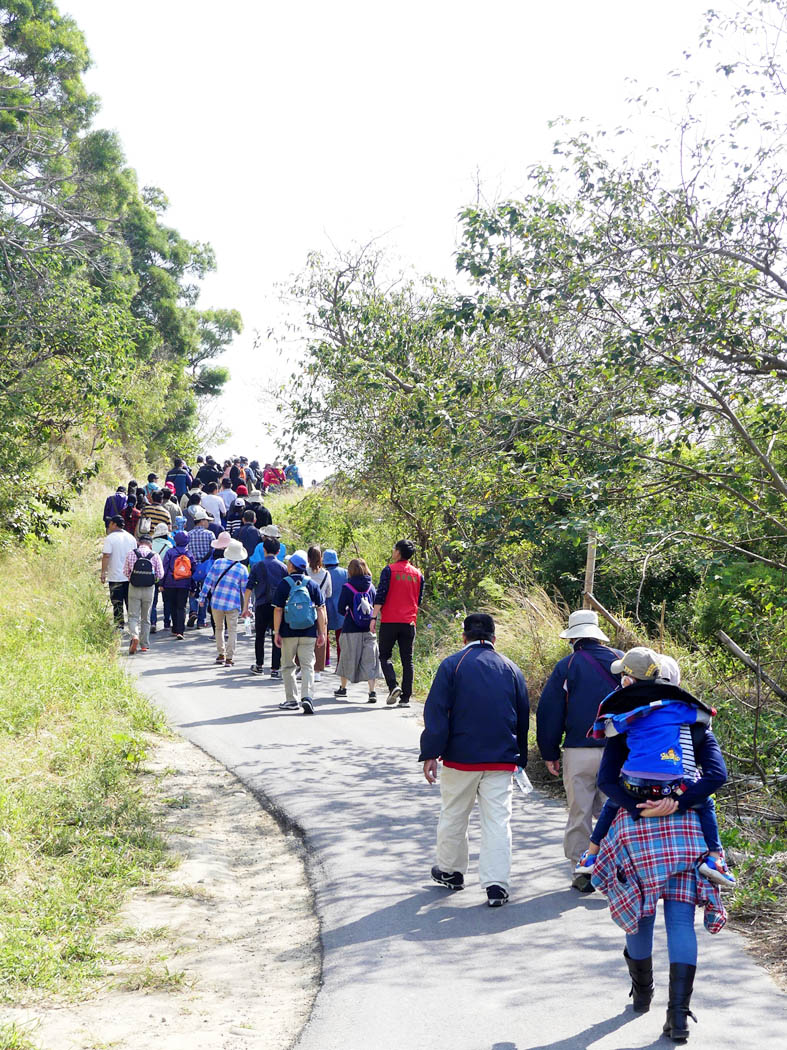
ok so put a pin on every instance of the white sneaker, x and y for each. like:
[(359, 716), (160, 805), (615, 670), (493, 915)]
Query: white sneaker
[(318, 676)]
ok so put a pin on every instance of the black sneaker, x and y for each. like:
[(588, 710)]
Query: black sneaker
[(583, 884), (288, 705), (340, 692), (275, 674), (308, 705), (496, 896), (256, 668), (454, 880), (393, 696), (372, 698), (191, 620), (403, 703)]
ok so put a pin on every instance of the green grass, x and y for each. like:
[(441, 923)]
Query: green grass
[(75, 829), (17, 1037)]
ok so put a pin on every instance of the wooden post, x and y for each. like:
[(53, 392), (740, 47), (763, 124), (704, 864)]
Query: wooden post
[(590, 569), (661, 625)]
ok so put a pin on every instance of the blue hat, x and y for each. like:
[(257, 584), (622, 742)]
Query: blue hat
[(181, 539), (298, 559), (330, 558)]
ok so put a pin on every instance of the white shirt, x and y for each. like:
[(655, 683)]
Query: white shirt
[(228, 497), (323, 580), (215, 505), (117, 545)]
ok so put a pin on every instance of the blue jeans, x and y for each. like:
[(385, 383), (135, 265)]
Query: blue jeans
[(681, 935), (706, 811)]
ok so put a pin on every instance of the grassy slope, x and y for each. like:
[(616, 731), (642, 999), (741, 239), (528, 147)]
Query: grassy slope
[(75, 830)]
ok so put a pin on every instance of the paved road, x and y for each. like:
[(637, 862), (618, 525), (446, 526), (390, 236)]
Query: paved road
[(408, 965)]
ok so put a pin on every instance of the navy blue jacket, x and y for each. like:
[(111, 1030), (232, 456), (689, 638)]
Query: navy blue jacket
[(566, 715), (708, 757), (477, 711)]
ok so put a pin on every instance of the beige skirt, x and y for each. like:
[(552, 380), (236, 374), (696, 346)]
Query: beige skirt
[(360, 659)]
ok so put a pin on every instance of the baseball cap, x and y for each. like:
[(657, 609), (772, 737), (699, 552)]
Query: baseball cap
[(298, 559), (640, 663)]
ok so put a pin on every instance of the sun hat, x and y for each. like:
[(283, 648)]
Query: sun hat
[(255, 496), (640, 663), (298, 559), (181, 539), (221, 541), (160, 530), (235, 551), (271, 531), (584, 624), (330, 558), (200, 514)]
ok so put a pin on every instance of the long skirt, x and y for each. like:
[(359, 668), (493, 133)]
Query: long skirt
[(360, 659)]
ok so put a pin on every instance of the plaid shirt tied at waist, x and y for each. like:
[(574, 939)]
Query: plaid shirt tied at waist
[(642, 860)]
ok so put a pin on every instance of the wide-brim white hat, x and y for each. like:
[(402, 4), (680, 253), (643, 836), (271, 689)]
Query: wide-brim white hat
[(271, 531), (235, 551), (584, 624)]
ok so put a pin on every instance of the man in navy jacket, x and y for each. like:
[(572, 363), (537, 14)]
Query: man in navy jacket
[(476, 720), (566, 711)]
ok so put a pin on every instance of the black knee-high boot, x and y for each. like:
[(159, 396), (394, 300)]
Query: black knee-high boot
[(641, 973), (681, 985)]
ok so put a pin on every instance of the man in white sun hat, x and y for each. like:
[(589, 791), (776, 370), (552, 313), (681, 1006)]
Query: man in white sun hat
[(566, 711)]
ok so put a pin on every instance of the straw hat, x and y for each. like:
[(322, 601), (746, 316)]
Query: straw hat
[(584, 624)]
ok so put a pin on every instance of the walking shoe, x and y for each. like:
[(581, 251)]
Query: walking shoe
[(288, 705), (714, 869), (372, 698), (228, 663), (219, 659), (275, 674), (256, 668), (153, 628), (317, 676), (582, 883), (403, 702), (454, 880), (340, 692), (496, 896), (586, 863), (191, 620), (145, 649), (132, 646), (201, 625), (393, 696), (179, 637), (307, 705)]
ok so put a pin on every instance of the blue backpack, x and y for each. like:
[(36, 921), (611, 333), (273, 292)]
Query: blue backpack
[(299, 611)]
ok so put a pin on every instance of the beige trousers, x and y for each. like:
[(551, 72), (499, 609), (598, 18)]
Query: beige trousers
[(303, 648), (230, 618), (459, 790), (580, 770)]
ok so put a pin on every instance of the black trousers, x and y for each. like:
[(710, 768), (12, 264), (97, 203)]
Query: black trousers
[(403, 635), (118, 595), (178, 598), (263, 622)]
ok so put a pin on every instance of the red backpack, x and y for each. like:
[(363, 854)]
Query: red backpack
[(181, 569)]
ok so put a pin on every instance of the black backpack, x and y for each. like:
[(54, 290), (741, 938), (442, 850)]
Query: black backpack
[(142, 574)]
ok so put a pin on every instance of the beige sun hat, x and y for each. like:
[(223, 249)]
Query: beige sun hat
[(200, 514), (235, 551), (271, 531), (584, 624), (255, 496), (160, 531)]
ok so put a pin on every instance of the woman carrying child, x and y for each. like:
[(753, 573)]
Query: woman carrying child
[(660, 766)]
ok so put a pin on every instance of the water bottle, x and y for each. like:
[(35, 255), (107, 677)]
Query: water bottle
[(247, 626), (522, 781)]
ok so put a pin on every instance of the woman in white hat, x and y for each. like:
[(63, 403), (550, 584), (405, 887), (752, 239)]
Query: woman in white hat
[(223, 588)]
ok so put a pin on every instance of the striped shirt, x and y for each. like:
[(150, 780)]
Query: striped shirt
[(157, 514)]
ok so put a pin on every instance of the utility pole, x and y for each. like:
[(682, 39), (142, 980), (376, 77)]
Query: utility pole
[(590, 570)]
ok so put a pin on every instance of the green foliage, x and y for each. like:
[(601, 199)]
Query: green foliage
[(77, 829)]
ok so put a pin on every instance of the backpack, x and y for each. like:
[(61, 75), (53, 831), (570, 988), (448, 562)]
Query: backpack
[(203, 568), (299, 611), (181, 568), (361, 609), (142, 574)]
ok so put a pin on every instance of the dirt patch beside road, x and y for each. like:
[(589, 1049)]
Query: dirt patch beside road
[(222, 951)]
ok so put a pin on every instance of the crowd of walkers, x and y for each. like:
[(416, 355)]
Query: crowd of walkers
[(638, 758)]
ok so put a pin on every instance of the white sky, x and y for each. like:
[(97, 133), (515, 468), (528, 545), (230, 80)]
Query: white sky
[(276, 129)]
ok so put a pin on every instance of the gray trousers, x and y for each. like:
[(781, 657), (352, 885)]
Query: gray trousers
[(140, 600), (580, 771), (303, 648)]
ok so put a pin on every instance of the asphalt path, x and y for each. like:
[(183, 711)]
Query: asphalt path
[(408, 964)]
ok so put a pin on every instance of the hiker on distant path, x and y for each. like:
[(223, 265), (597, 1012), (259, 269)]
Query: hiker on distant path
[(143, 569), (208, 473), (300, 623), (178, 580), (194, 489), (117, 544), (226, 495), (654, 850), (180, 477), (263, 516), (213, 503), (200, 540), (192, 506), (155, 512), (223, 588), (152, 485), (248, 534), (476, 720), (264, 577), (131, 515), (359, 660), (171, 505), (566, 711), (115, 504), (319, 575), (399, 595), (238, 474), (330, 560), (161, 543)]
